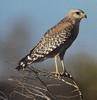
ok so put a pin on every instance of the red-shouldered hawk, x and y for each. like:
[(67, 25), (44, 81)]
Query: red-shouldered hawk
[(56, 41)]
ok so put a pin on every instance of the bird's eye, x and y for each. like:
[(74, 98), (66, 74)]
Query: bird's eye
[(78, 13)]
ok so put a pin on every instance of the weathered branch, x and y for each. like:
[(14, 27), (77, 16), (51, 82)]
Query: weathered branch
[(35, 84)]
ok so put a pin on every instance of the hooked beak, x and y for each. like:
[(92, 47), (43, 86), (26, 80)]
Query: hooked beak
[(84, 16)]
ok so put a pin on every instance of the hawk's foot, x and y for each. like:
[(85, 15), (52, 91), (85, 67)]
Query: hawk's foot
[(66, 74), (56, 74)]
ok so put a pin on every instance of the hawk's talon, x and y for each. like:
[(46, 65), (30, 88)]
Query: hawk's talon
[(65, 74), (57, 75)]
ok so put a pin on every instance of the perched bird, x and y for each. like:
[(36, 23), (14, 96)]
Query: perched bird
[(56, 41)]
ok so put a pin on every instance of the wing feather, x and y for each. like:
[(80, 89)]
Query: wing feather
[(52, 39)]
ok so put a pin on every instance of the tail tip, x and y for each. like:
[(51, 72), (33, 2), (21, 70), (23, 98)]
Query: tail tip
[(18, 68), (21, 65)]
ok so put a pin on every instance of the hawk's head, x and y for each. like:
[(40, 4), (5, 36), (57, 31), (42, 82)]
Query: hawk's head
[(77, 14)]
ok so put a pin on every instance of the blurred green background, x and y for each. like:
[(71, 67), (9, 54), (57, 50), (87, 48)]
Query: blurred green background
[(22, 24)]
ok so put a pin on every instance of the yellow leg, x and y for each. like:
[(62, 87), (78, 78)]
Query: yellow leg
[(65, 73), (56, 65), (63, 66)]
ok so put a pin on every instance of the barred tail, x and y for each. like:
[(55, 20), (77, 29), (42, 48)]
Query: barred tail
[(24, 62)]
